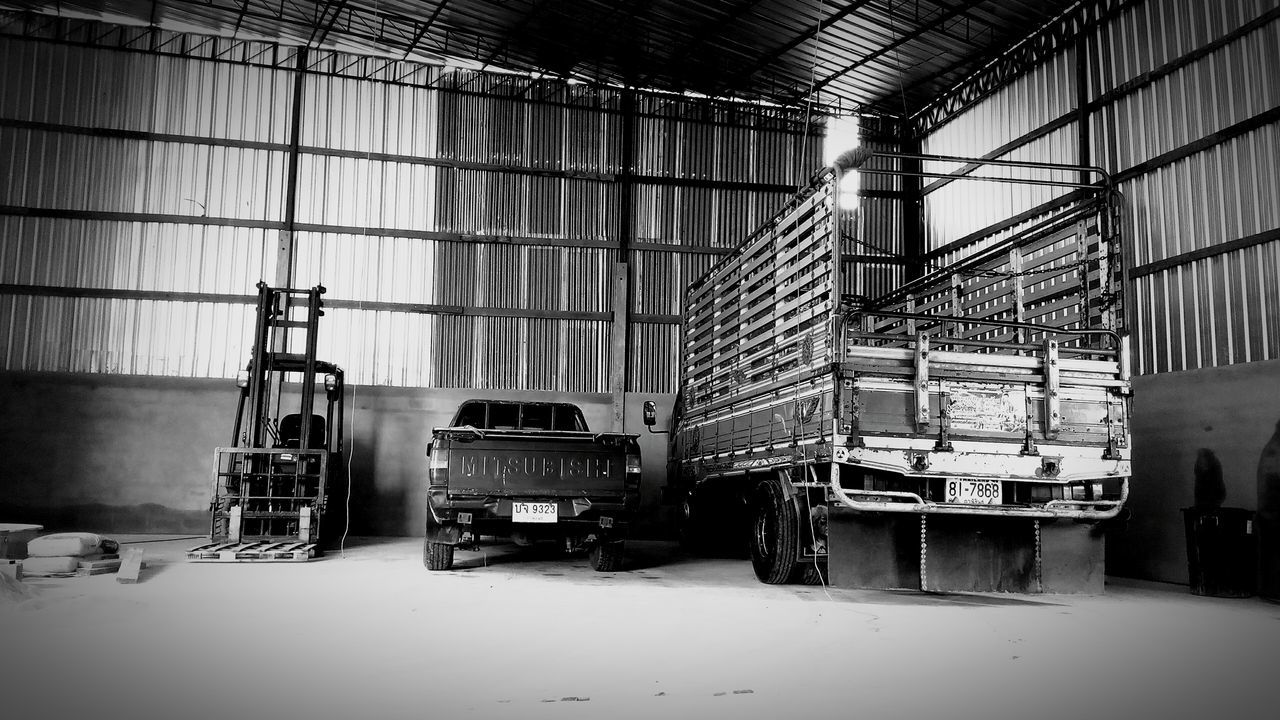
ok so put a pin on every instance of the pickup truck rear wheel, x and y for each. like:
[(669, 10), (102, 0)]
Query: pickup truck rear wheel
[(437, 555), (774, 524), (606, 556), (714, 523), (692, 534)]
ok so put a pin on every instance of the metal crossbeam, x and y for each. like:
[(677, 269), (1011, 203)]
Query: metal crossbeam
[(939, 21), (519, 28), (325, 23), (424, 27), (1027, 54), (771, 57), (705, 33)]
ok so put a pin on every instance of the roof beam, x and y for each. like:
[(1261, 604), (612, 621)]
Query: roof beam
[(942, 18), (980, 60), (244, 8), (1016, 59), (423, 28), (629, 64), (971, 38), (703, 35), (317, 34), (768, 59), (528, 17)]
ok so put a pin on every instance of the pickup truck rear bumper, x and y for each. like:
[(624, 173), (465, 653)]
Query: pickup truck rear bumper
[(453, 515)]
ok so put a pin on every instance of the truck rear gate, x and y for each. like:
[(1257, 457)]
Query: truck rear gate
[(567, 464), (966, 432)]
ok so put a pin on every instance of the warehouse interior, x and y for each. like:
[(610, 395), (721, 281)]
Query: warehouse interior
[(507, 200)]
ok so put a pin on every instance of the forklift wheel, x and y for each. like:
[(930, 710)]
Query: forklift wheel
[(437, 555)]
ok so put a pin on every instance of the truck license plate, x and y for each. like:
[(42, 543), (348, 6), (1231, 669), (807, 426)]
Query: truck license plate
[(973, 492), (533, 512)]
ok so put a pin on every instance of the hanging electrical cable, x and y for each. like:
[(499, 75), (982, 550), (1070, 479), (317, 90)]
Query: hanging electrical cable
[(800, 175), (355, 408)]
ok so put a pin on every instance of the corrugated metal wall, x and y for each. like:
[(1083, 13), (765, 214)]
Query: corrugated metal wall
[(1223, 308), (680, 230), (467, 231), (133, 173), (1184, 105), (953, 210), (871, 225)]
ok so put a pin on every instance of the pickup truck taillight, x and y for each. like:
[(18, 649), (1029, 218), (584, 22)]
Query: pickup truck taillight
[(437, 465), (633, 470)]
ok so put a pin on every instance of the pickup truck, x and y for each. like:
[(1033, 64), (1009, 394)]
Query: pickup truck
[(529, 471)]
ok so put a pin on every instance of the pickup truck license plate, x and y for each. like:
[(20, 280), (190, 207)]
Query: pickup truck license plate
[(533, 512), (973, 492)]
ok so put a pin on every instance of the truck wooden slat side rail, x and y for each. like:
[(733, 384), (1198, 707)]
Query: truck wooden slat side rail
[(991, 393)]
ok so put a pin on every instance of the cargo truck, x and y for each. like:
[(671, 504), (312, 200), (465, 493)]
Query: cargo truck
[(966, 431)]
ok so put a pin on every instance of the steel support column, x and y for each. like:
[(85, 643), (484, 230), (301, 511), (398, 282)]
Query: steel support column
[(285, 249), (913, 248), (1082, 106), (622, 269)]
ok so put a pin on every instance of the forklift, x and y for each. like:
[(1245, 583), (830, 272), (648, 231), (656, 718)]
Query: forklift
[(279, 491)]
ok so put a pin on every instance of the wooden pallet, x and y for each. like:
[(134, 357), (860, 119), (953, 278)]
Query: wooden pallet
[(257, 551), (107, 564)]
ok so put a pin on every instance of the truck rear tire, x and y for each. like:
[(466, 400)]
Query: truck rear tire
[(606, 556), (807, 574), (437, 555), (774, 527)]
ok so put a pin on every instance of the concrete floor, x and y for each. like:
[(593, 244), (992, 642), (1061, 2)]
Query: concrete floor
[(523, 634)]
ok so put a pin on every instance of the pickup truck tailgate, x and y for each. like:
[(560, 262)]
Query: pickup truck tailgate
[(535, 464)]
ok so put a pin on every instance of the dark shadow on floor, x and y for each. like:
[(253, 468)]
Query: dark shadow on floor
[(916, 598)]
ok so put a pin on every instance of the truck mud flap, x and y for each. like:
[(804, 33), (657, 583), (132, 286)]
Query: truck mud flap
[(961, 553)]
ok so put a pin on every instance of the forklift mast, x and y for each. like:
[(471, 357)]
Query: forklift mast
[(270, 360)]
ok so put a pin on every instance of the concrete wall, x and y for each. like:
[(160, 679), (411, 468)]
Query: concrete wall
[(116, 453), (1232, 411), (130, 454)]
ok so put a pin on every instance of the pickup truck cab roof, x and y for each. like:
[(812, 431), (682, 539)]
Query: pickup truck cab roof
[(516, 415)]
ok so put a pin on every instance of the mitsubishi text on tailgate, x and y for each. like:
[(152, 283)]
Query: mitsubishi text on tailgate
[(529, 471)]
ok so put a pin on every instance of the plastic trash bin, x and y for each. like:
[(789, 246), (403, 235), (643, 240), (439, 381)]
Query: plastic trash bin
[(1222, 551)]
